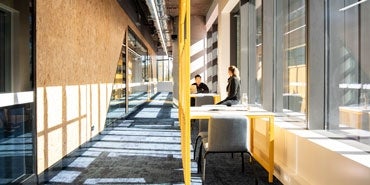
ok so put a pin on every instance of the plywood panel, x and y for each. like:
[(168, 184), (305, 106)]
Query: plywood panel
[(78, 44)]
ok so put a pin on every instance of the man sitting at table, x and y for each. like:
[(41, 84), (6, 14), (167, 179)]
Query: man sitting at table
[(201, 87), (198, 87)]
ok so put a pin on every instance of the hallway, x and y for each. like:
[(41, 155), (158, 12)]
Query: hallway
[(144, 148)]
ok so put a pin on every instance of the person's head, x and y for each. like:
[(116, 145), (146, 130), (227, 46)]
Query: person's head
[(233, 71), (198, 79)]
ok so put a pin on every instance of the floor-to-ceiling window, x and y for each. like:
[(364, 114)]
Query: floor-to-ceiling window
[(258, 88), (294, 56), (164, 68), (348, 73), (132, 82), (235, 38), (117, 104), (137, 65), (16, 91)]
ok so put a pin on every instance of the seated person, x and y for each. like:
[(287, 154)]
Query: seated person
[(201, 87), (198, 87), (233, 88)]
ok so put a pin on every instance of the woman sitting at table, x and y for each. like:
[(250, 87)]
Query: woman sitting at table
[(233, 88)]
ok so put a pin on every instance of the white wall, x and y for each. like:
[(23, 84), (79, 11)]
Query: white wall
[(223, 51)]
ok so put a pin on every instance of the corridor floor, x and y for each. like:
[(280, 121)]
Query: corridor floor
[(144, 148)]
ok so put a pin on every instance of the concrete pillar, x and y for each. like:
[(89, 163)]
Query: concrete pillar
[(223, 52), (316, 64), (247, 66), (175, 70), (278, 44), (268, 56)]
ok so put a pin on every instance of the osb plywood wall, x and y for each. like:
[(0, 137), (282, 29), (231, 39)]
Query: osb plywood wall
[(77, 49)]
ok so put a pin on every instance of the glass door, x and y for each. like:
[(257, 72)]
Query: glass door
[(17, 92), (117, 105), (137, 67), (132, 80)]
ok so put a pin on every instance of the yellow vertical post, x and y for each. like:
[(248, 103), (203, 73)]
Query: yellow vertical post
[(184, 85)]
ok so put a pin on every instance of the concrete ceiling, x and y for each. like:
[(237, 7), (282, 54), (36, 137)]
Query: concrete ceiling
[(198, 7), (138, 11)]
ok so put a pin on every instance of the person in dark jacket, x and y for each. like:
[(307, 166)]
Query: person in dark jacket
[(201, 87), (198, 87), (233, 88)]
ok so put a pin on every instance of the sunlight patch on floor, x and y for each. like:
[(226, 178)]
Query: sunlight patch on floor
[(65, 176), (114, 180), (148, 113), (82, 162)]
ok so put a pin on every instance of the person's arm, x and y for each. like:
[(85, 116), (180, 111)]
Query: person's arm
[(205, 88), (193, 88), (202, 88)]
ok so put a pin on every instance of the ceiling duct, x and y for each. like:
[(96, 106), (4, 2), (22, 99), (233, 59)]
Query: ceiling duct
[(157, 10)]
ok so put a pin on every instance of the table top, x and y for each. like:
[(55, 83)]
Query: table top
[(209, 110), (203, 94)]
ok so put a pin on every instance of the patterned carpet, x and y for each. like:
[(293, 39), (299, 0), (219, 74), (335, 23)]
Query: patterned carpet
[(145, 148)]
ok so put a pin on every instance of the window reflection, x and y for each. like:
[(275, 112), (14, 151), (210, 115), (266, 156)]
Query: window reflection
[(137, 70), (132, 82), (16, 157), (164, 68), (348, 73), (294, 56), (259, 51)]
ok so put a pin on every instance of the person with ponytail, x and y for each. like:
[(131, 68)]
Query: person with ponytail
[(232, 88)]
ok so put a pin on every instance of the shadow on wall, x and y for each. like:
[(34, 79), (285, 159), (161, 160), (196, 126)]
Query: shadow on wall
[(68, 116)]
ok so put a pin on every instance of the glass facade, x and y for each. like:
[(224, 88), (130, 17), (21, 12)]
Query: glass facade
[(344, 82), (117, 104), (238, 39), (17, 126), (132, 83), (137, 67), (294, 56), (164, 68), (348, 67), (346, 77), (235, 38), (347, 71)]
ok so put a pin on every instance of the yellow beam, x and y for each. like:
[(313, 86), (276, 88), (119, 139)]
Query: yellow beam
[(184, 88)]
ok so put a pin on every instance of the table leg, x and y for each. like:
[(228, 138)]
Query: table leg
[(271, 148), (252, 134)]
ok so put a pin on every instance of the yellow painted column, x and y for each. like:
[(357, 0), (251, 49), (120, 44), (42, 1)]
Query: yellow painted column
[(184, 88)]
